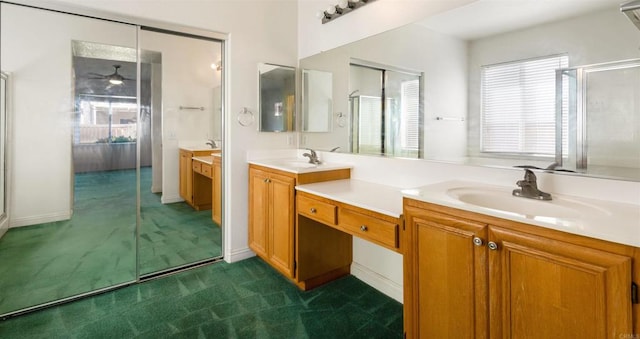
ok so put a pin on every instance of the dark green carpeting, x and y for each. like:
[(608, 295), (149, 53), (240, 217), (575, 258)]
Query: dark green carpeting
[(96, 247), (247, 299)]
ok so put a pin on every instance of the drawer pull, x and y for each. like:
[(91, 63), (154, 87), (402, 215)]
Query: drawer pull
[(363, 228), (313, 210), (492, 245)]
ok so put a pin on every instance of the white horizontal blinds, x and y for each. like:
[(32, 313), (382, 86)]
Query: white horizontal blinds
[(370, 124), (409, 115), (518, 106)]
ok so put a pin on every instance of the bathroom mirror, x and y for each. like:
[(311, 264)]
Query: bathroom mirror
[(452, 49), (4, 78), (317, 101), (277, 97)]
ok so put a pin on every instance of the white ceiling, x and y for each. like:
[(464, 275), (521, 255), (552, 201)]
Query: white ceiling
[(489, 17)]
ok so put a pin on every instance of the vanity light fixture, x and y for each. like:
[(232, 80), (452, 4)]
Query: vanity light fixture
[(343, 7), (217, 65)]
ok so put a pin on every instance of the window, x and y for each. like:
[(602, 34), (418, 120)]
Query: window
[(106, 121), (519, 106)]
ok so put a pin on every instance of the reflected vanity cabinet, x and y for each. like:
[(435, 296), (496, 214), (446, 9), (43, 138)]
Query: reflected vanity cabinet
[(216, 180), (272, 212), (472, 276), (187, 191)]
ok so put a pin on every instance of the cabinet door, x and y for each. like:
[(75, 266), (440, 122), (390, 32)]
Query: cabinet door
[(258, 211), (281, 235), (446, 292), (216, 201), (543, 288), (185, 172)]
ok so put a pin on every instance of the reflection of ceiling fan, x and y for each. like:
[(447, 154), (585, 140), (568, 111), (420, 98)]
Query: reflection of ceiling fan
[(114, 78)]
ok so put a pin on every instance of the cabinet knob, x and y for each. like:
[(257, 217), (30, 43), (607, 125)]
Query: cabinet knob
[(363, 228), (313, 210), (492, 245), (267, 180), (477, 241)]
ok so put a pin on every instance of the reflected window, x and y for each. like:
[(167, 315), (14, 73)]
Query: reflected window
[(106, 121), (519, 106)]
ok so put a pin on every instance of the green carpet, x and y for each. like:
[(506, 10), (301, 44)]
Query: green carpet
[(247, 299), (96, 247)]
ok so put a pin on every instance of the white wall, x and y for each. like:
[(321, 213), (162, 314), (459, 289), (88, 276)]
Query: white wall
[(43, 103), (376, 17)]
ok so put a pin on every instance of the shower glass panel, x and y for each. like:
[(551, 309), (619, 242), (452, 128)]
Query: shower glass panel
[(402, 91), (612, 119), (385, 111), (73, 190), (180, 101)]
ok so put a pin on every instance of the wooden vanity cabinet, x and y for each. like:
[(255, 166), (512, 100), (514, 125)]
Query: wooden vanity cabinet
[(272, 212), (472, 276), (186, 174), (216, 182)]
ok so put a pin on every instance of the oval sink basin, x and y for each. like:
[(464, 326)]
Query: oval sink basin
[(504, 201)]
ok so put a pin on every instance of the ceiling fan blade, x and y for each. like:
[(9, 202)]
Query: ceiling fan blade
[(102, 76)]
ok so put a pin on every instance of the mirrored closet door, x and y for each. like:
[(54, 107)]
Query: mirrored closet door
[(99, 113)]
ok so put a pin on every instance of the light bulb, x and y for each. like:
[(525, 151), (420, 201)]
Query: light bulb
[(331, 10), (319, 14), (115, 81), (343, 4)]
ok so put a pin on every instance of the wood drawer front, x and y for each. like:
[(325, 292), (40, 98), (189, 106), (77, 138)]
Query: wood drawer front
[(206, 170), (317, 210), (196, 166), (370, 228)]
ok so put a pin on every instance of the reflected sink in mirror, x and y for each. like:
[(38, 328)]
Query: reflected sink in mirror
[(502, 200)]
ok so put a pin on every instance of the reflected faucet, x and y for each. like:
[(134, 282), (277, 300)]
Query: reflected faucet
[(212, 143), (334, 149), (313, 157), (529, 187)]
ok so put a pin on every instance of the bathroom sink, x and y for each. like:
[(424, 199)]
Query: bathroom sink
[(298, 164), (502, 200)]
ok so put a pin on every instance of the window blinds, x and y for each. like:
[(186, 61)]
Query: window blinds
[(518, 106), (410, 115)]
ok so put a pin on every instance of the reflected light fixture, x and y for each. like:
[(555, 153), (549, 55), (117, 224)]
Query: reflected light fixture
[(217, 65), (343, 7)]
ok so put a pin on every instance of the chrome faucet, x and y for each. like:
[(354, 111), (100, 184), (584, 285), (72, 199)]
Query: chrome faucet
[(313, 157), (334, 149), (529, 187), (212, 143)]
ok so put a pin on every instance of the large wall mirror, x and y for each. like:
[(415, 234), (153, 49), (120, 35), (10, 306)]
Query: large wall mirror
[(99, 111), (500, 85)]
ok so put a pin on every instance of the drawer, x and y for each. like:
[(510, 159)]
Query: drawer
[(206, 170), (370, 228), (197, 166), (317, 210)]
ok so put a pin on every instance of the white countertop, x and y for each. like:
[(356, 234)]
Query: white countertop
[(298, 165), (207, 159), (600, 219), (199, 148), (375, 197)]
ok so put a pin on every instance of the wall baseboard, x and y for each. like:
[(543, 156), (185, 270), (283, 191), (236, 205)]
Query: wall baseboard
[(377, 281), (39, 219), (238, 255), (171, 200)]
